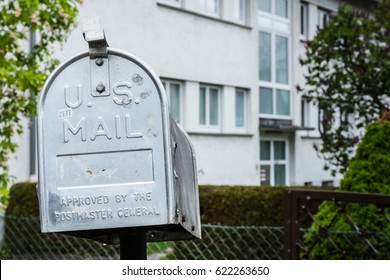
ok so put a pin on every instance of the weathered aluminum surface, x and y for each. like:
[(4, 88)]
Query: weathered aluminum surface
[(108, 153)]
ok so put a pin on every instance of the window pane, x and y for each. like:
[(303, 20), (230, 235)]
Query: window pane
[(209, 6), (265, 150), (266, 101), (281, 59), (265, 56), (281, 8), (282, 102), (323, 17), (280, 174), (264, 5), (265, 175), (304, 112), (304, 18), (240, 108), (174, 100), (240, 10), (202, 106), (214, 106), (279, 150)]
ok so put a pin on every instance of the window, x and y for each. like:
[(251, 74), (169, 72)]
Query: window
[(320, 119), (279, 44), (174, 94), (304, 112), (264, 5), (273, 162), (281, 8), (211, 7), (240, 112), (281, 59), (240, 11), (274, 87), (209, 105), (304, 21), (276, 7), (274, 101), (265, 56), (323, 17)]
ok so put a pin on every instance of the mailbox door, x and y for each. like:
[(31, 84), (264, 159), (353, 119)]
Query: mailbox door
[(102, 137)]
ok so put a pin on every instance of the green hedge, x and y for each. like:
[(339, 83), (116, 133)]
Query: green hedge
[(243, 205)]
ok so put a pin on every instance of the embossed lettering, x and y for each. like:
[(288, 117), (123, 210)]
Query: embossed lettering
[(130, 134), (120, 198), (74, 130), (84, 200), (103, 214), (101, 129), (143, 196), (138, 211), (122, 88), (118, 130), (79, 100)]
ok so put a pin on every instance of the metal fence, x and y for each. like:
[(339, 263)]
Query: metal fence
[(22, 240), (336, 225), (302, 237)]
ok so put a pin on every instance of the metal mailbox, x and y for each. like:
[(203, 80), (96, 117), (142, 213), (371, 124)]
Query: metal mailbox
[(110, 156)]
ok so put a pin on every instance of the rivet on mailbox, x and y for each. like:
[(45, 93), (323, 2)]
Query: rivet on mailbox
[(107, 163)]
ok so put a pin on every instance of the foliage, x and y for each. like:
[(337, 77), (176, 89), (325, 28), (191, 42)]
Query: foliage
[(368, 172), (23, 71), (348, 66), (244, 205), (23, 200)]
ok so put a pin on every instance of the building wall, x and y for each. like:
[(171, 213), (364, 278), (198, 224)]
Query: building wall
[(191, 47)]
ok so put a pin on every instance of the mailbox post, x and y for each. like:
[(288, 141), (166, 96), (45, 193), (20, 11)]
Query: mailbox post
[(112, 162)]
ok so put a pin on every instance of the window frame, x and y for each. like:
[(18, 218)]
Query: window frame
[(305, 112), (323, 16), (167, 83), (272, 13), (202, 7), (272, 84), (272, 162), (304, 21), (207, 125), (238, 12), (245, 94)]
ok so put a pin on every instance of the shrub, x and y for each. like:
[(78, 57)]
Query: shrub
[(354, 231), (23, 200)]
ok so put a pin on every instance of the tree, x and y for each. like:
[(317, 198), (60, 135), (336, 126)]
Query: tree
[(348, 66), (23, 71)]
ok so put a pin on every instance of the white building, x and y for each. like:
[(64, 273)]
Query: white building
[(230, 68)]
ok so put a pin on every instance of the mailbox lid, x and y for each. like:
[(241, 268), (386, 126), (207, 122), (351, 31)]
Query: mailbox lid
[(103, 143)]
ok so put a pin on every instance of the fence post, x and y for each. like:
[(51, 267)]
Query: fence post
[(132, 246), (287, 224)]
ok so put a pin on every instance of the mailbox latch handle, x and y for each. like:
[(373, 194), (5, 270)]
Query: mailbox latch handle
[(94, 35)]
